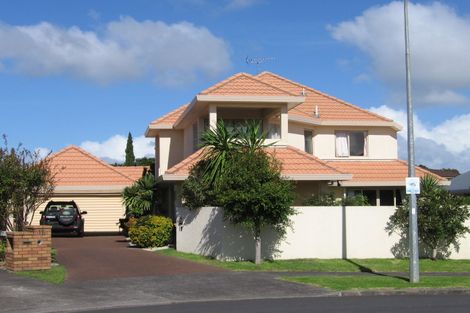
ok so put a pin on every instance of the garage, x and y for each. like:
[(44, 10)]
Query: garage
[(93, 184)]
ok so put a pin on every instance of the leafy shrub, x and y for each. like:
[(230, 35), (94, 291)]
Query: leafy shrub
[(2, 250), (151, 231), (322, 200), (357, 200), (54, 255)]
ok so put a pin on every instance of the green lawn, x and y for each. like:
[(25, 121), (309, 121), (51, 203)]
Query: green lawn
[(328, 265), (379, 282), (56, 275)]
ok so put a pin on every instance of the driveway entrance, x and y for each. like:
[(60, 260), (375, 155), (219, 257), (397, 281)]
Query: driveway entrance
[(108, 257)]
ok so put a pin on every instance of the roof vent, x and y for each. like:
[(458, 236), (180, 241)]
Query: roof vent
[(317, 112)]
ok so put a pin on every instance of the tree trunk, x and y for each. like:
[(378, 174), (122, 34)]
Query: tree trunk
[(258, 249), (434, 254)]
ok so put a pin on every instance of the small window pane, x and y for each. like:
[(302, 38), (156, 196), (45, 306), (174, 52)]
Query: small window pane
[(386, 197), (398, 195), (308, 134), (356, 143), (371, 196)]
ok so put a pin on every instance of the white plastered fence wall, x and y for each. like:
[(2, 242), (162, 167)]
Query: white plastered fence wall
[(316, 232)]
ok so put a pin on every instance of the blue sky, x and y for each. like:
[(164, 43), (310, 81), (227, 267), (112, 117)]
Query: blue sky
[(87, 72)]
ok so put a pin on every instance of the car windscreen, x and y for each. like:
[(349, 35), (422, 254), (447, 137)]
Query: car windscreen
[(62, 209)]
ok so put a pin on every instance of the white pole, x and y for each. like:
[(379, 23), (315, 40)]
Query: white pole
[(413, 215)]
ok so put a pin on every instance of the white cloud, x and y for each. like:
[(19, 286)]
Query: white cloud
[(113, 148), (126, 49), (444, 145), (42, 152), (440, 48)]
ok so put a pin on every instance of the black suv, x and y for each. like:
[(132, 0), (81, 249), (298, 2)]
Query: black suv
[(63, 216)]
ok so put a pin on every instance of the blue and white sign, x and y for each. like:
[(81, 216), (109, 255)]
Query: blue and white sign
[(412, 185)]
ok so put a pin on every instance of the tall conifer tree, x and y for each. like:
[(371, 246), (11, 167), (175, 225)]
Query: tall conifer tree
[(130, 157)]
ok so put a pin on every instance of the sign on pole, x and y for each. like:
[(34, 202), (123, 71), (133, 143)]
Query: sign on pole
[(412, 185)]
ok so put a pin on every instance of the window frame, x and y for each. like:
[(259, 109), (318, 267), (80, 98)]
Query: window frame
[(311, 141), (348, 133)]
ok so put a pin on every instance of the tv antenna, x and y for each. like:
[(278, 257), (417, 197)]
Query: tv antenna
[(258, 61)]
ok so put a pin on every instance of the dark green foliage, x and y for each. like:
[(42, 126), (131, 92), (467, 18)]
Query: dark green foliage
[(441, 218), (26, 181), (139, 199), (144, 161), (253, 193), (197, 191), (238, 175), (2, 249), (151, 231), (130, 157), (322, 200), (357, 200)]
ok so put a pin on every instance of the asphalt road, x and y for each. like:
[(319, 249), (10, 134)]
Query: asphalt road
[(382, 304)]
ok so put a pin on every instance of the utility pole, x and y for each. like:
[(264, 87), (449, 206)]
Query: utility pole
[(413, 214)]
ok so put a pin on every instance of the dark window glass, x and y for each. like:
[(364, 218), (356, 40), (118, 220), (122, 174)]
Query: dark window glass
[(308, 134), (371, 196), (356, 143), (398, 195), (386, 197)]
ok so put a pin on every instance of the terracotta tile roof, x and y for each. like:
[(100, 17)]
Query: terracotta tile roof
[(244, 84), (134, 172), (270, 84), (387, 170), (293, 162), (74, 166), (330, 108), (171, 117)]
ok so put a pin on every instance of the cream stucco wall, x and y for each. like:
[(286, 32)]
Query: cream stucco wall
[(316, 232), (381, 142), (170, 143), (103, 211)]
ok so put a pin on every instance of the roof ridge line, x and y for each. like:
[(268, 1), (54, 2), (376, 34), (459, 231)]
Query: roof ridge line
[(324, 94), (247, 75), (95, 158)]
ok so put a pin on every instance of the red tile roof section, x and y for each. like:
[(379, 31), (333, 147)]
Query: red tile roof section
[(270, 84), (243, 84), (171, 117), (134, 172), (74, 166), (293, 162), (393, 170), (330, 108)]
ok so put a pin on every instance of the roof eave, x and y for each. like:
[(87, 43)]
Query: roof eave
[(320, 122), (291, 101)]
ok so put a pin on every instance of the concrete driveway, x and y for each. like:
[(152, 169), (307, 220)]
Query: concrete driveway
[(110, 257)]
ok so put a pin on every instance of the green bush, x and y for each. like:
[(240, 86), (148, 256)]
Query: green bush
[(2, 250), (322, 200), (151, 231), (357, 200)]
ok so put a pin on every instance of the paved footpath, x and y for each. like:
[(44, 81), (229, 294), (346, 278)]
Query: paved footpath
[(21, 294)]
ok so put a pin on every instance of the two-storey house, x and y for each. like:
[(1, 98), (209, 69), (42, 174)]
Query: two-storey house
[(324, 144)]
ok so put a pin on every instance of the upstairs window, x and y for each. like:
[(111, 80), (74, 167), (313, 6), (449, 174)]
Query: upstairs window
[(351, 144), (308, 135)]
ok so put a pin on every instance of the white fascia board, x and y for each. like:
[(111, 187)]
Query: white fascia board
[(291, 101), (319, 122), (318, 177), (110, 189), (385, 183), (173, 177)]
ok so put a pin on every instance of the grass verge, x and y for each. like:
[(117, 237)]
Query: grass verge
[(342, 283), (327, 265), (56, 275)]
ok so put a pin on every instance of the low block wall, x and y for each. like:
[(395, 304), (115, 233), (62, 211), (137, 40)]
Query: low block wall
[(316, 232), (29, 249)]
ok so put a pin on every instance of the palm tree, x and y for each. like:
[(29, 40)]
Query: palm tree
[(139, 198)]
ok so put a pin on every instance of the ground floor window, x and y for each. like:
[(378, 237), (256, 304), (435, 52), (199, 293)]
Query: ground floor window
[(383, 197)]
